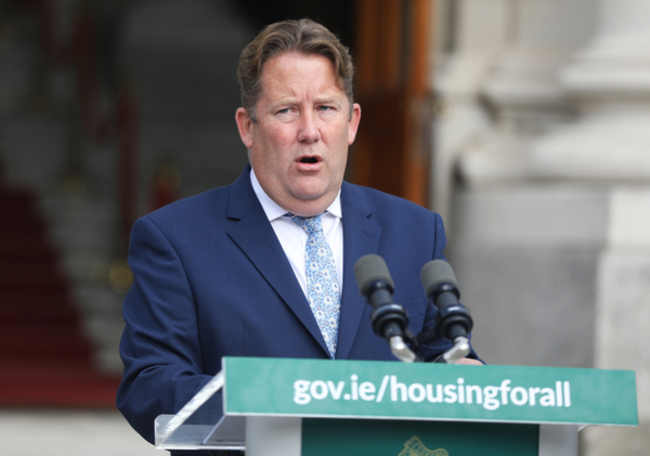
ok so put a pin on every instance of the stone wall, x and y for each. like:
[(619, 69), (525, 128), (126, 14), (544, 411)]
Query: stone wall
[(546, 175)]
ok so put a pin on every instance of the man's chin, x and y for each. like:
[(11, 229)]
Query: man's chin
[(309, 190), (309, 203)]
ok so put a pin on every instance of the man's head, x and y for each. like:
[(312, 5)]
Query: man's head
[(304, 37), (301, 119)]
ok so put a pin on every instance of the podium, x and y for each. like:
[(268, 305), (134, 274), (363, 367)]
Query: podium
[(307, 407)]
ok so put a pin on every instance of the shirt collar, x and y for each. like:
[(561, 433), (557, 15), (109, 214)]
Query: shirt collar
[(273, 211)]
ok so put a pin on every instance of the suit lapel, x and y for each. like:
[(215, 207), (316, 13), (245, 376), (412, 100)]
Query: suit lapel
[(360, 237), (256, 238)]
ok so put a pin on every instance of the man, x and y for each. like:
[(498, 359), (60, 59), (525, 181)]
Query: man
[(230, 272)]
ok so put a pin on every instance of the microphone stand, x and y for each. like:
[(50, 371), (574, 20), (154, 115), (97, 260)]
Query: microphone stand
[(460, 349), (402, 351), (460, 343), (391, 321)]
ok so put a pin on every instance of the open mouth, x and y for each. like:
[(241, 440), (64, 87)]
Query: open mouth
[(309, 160)]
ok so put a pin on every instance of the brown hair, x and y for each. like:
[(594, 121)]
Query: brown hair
[(304, 36)]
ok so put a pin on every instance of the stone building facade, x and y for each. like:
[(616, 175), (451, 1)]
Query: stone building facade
[(542, 169)]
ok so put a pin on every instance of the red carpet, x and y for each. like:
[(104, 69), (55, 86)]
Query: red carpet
[(45, 359)]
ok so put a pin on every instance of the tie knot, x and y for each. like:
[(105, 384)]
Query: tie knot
[(309, 224)]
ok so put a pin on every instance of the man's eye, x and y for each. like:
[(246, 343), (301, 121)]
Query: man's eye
[(284, 111), (325, 108)]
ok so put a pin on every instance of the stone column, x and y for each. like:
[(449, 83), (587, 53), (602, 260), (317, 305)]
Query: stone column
[(610, 82), (523, 91), (623, 315), (526, 254), (476, 32), (610, 146)]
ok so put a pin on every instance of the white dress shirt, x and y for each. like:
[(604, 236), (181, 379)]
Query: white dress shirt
[(293, 237)]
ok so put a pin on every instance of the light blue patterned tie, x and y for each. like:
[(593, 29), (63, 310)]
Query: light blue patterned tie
[(322, 283)]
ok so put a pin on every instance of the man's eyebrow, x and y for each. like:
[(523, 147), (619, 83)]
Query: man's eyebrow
[(284, 102), (328, 100), (290, 101)]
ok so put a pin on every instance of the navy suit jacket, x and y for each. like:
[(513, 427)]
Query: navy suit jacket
[(212, 280)]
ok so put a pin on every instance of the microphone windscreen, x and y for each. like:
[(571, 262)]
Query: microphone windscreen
[(371, 268), (436, 272)]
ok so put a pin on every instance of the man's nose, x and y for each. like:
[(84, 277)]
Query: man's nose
[(309, 131)]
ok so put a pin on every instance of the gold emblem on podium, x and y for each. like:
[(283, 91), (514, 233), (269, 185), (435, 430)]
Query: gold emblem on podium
[(415, 447)]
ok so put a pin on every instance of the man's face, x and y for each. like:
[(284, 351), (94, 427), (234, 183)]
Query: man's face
[(299, 143)]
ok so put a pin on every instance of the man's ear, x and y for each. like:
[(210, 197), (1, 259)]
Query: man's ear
[(353, 125), (245, 127)]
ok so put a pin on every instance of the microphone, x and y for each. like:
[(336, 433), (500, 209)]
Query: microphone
[(376, 285), (453, 320)]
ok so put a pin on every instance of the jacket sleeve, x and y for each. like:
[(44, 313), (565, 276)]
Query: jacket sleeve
[(160, 346), (441, 345)]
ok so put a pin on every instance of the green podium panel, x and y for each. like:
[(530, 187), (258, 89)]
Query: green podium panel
[(323, 437), (302, 407), (419, 391)]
